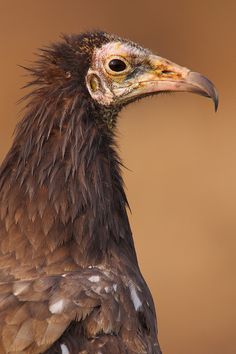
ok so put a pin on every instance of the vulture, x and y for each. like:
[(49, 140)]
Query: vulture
[(69, 276)]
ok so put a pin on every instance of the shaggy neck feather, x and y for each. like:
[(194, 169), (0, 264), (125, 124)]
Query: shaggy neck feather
[(64, 172)]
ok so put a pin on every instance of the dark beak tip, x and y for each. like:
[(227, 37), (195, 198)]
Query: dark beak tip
[(204, 87), (216, 100)]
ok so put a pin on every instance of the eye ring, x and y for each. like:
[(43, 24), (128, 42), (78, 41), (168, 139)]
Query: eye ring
[(117, 65)]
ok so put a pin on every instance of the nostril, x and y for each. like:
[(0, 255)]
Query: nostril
[(167, 72)]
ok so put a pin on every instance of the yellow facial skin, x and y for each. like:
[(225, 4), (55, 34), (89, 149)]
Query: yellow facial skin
[(144, 73)]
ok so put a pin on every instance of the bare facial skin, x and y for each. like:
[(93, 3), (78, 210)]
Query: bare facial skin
[(121, 72)]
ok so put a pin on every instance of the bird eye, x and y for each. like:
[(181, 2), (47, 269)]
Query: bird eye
[(117, 65)]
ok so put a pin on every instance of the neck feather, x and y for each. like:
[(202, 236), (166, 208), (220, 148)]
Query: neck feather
[(62, 187)]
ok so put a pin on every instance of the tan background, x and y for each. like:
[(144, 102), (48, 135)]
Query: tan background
[(182, 183)]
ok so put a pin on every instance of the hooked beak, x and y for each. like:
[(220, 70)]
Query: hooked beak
[(166, 76)]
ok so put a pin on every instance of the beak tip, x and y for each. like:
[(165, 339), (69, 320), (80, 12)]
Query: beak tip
[(204, 87), (216, 101)]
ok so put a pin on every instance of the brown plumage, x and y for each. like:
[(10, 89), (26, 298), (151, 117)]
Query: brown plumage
[(69, 277)]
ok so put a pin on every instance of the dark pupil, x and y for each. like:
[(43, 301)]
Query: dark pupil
[(117, 65)]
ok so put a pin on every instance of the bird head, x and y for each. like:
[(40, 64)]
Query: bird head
[(110, 72), (121, 72)]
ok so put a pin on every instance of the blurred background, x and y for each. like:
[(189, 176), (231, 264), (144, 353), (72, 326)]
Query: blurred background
[(181, 182)]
